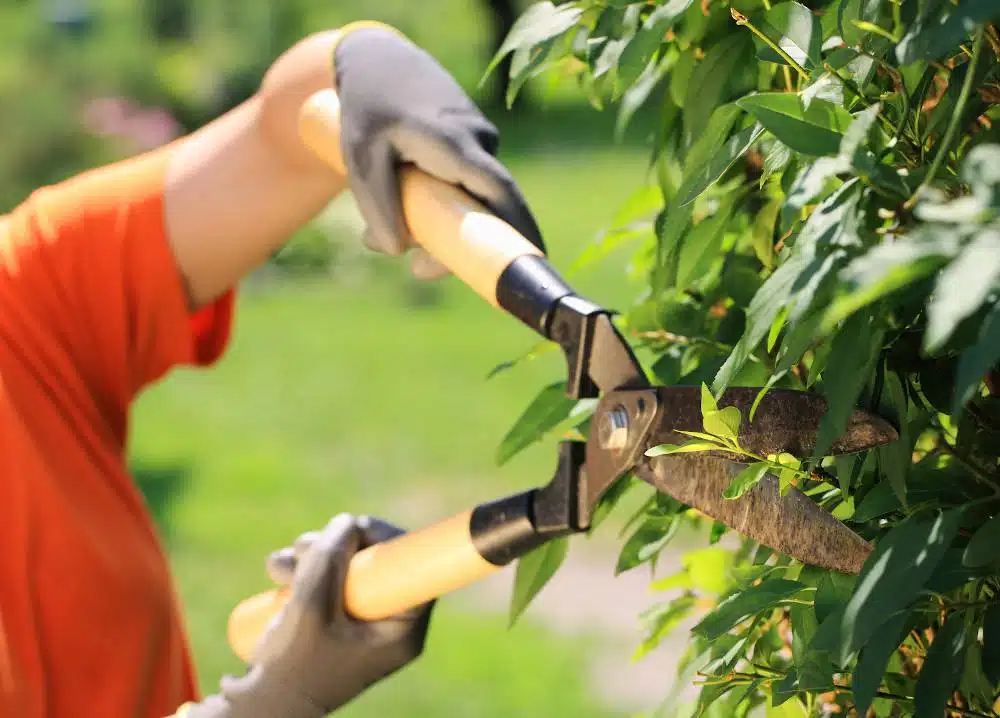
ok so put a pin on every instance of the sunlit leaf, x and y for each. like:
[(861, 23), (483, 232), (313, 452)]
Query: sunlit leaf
[(686, 447), (817, 130), (725, 157), (710, 78), (745, 480), (931, 40), (540, 22), (534, 570), (793, 28), (739, 607), (976, 270), (891, 577), (984, 546), (549, 407)]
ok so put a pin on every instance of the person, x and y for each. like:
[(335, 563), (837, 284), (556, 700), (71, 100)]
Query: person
[(112, 278)]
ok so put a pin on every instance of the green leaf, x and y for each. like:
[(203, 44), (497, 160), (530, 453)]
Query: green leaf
[(534, 571), (817, 130), (701, 247), (890, 266), (984, 546), (663, 620), (706, 175), (794, 29), (977, 271), (763, 233), (746, 480), (827, 87), (804, 626), (991, 643), (710, 79), (834, 591), (812, 182), (644, 44), (874, 658), (895, 457), (856, 137), (942, 668), (777, 159), (942, 34), (708, 402), (977, 359), (741, 606), (974, 681), (683, 448), (708, 568), (714, 134), (795, 284), (546, 411), (540, 22), (877, 503), (642, 204), (893, 575), (646, 542), (724, 423), (852, 356)]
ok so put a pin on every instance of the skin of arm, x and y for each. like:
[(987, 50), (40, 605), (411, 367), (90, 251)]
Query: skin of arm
[(241, 186)]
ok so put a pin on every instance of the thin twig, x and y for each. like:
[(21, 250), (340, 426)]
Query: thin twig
[(976, 472), (909, 699), (956, 118), (742, 19)]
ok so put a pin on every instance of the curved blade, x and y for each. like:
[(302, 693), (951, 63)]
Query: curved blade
[(791, 524), (786, 421)]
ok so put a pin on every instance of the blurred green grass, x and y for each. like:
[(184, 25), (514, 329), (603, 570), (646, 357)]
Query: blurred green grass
[(354, 396)]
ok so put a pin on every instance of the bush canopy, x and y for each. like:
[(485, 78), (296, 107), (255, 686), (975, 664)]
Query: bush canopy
[(820, 213)]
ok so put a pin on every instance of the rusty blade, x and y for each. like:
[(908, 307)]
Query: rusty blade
[(791, 524), (786, 421)]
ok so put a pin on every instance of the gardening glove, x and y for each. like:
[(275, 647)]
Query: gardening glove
[(399, 106), (313, 658)]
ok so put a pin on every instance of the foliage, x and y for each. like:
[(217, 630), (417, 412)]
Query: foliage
[(820, 213)]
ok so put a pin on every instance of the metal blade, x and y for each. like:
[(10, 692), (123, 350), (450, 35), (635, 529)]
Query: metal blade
[(791, 524), (786, 421)]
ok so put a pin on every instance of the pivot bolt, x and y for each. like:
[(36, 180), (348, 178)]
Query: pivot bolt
[(612, 431)]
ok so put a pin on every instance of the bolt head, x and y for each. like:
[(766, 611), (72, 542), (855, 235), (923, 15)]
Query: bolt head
[(612, 430)]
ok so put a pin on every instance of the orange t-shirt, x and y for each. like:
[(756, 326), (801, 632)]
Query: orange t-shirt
[(91, 311)]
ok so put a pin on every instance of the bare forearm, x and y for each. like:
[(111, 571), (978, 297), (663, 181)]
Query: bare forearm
[(241, 186)]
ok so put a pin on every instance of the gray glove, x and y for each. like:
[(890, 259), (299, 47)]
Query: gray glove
[(314, 658), (400, 106)]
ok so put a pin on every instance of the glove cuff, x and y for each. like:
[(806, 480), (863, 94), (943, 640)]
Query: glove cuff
[(350, 27)]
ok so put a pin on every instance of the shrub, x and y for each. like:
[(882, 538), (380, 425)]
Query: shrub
[(821, 214)]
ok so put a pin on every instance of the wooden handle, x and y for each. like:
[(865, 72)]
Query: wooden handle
[(383, 580), (456, 230)]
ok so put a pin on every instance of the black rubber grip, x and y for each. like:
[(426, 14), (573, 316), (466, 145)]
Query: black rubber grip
[(529, 288), (502, 530)]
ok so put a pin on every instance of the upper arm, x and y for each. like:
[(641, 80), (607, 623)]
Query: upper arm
[(90, 292)]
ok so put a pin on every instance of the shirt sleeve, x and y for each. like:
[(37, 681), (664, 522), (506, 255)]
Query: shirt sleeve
[(90, 263)]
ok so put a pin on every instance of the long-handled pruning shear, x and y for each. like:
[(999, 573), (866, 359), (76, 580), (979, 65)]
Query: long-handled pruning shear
[(631, 417)]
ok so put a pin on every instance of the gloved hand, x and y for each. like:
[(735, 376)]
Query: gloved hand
[(400, 106), (314, 658)]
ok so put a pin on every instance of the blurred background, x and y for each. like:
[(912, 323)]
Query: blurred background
[(348, 386)]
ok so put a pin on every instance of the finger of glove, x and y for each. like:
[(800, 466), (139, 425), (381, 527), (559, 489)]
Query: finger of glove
[(374, 530), (425, 268), (454, 156), (322, 569), (281, 563), (281, 566), (374, 182)]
